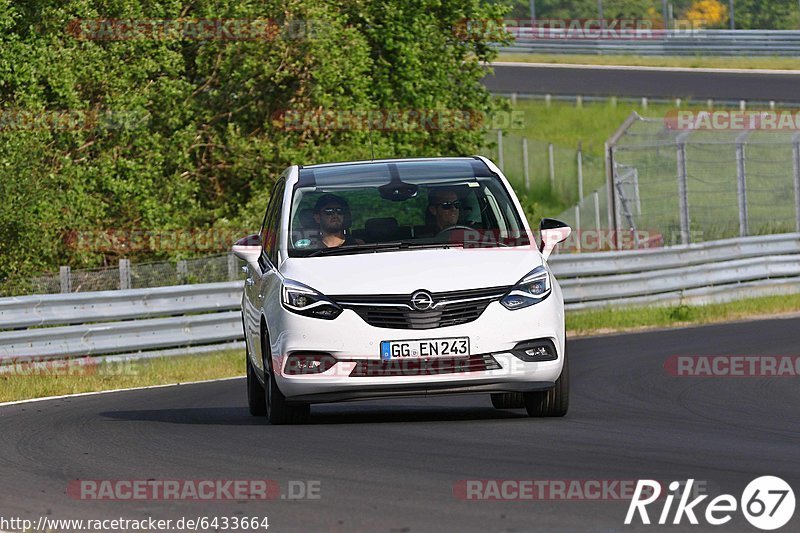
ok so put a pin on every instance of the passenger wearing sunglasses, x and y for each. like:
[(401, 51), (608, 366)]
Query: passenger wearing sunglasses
[(332, 214)]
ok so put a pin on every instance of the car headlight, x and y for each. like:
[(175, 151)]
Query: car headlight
[(530, 290), (304, 300)]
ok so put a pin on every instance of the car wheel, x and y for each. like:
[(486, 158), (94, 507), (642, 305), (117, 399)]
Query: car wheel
[(553, 402), (278, 411), (508, 400), (256, 396)]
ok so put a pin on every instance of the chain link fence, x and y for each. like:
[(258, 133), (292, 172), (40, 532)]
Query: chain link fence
[(127, 275), (556, 172), (700, 185)]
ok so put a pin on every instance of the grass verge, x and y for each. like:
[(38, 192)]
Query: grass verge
[(163, 371), (40, 380), (609, 320), (777, 63)]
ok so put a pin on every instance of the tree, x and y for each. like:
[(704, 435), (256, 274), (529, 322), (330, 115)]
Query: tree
[(181, 133)]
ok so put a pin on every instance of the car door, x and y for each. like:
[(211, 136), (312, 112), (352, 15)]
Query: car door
[(264, 284)]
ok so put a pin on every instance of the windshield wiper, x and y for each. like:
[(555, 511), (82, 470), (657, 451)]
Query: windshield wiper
[(380, 247), (356, 248)]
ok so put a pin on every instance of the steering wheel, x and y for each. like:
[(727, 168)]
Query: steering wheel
[(453, 228)]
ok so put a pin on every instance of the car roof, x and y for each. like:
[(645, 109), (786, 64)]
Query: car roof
[(388, 160)]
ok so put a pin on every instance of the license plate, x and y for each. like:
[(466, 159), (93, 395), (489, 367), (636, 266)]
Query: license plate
[(453, 347)]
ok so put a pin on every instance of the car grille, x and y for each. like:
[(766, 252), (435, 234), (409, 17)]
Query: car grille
[(395, 311), (424, 367)]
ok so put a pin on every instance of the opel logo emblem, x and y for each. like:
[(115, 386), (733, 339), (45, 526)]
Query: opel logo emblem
[(422, 300)]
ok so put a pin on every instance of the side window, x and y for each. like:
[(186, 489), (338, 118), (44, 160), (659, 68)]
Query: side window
[(269, 236)]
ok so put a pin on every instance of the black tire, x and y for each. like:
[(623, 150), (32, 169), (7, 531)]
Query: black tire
[(277, 410), (256, 396), (553, 402), (508, 400)]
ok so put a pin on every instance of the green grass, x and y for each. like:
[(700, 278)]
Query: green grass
[(35, 382), (636, 318), (779, 63), (183, 369)]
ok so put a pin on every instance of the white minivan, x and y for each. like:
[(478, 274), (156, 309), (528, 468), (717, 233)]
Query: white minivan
[(402, 277)]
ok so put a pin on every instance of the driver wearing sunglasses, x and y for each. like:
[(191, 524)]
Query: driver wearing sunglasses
[(332, 214), (444, 208)]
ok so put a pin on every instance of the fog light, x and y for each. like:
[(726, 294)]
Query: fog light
[(308, 363), (535, 351)]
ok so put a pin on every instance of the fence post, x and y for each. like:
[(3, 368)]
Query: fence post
[(525, 163), (741, 184), (580, 171), (232, 274), (124, 274), (596, 198), (500, 149), (183, 271), (683, 190), (578, 227), (796, 158), (637, 198), (66, 279), (551, 157)]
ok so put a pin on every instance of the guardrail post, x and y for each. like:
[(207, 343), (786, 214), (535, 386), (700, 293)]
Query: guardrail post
[(551, 157), (525, 163), (66, 279), (796, 160), (232, 274), (124, 274), (741, 184), (500, 149), (683, 190)]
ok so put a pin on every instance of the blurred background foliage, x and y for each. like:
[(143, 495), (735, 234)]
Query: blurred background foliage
[(183, 134)]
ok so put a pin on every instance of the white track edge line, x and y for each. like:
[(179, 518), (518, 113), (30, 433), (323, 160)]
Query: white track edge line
[(646, 68), (96, 393)]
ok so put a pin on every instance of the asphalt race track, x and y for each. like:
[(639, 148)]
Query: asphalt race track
[(637, 81), (392, 465)]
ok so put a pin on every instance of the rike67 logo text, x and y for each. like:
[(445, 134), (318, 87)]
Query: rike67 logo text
[(767, 503)]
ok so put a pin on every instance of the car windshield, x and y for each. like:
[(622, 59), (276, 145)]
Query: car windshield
[(383, 206)]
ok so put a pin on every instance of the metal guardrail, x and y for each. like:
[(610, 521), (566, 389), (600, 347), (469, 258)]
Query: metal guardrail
[(113, 322), (659, 42), (116, 337), (604, 263), (107, 306)]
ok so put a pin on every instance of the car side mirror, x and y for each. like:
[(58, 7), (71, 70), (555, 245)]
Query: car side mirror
[(248, 249), (552, 232)]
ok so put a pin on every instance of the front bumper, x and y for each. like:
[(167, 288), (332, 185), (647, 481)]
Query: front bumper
[(353, 342)]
